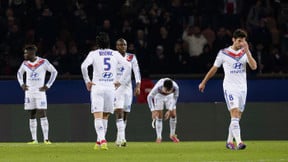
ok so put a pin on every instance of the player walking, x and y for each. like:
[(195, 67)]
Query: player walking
[(233, 59), (124, 94), (164, 93), (103, 84), (35, 90)]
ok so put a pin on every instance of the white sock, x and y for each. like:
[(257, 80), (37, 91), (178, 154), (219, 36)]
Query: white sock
[(33, 128), (125, 130), (235, 129), (45, 127), (230, 135), (98, 124), (105, 124), (172, 123), (159, 126), (120, 128)]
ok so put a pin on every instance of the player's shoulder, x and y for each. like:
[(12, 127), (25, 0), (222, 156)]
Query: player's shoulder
[(130, 56)]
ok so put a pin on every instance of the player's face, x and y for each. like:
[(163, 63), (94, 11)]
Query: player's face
[(165, 90), (238, 43), (29, 55), (121, 46)]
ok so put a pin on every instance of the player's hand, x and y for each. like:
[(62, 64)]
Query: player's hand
[(167, 115), (117, 84), (137, 91), (89, 85), (24, 87), (245, 46), (154, 114), (201, 87), (44, 88)]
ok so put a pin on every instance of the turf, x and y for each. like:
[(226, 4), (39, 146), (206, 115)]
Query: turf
[(210, 151)]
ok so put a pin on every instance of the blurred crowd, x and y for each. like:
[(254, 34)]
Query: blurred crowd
[(167, 36)]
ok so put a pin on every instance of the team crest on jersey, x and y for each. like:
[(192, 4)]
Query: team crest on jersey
[(35, 66), (129, 57)]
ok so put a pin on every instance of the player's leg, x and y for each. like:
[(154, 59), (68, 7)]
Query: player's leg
[(97, 104), (30, 106), (173, 122), (42, 114), (41, 103), (33, 126), (158, 115), (119, 114)]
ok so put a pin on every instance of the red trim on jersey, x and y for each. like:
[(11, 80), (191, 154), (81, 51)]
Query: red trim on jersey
[(31, 66), (129, 57), (236, 55)]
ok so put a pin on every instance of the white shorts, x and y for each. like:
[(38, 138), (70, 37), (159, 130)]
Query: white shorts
[(123, 98), (235, 99), (161, 100), (35, 102), (102, 99)]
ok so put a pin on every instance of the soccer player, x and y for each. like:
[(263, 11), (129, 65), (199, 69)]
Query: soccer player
[(35, 90), (124, 93), (233, 59), (102, 87), (164, 93)]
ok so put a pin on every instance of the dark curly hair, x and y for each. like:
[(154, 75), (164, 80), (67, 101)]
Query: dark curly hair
[(102, 40)]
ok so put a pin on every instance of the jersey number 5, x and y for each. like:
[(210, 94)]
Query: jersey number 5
[(107, 63)]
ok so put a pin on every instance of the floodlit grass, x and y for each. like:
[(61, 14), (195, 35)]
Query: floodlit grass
[(260, 151)]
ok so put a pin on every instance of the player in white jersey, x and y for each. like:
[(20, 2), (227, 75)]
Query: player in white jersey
[(164, 93), (234, 60), (35, 87), (124, 94), (105, 62)]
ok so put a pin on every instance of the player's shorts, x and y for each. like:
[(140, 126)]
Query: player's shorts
[(37, 101), (235, 99), (161, 100), (102, 99), (123, 98)]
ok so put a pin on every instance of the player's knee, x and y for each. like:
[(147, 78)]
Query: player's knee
[(32, 114), (41, 113)]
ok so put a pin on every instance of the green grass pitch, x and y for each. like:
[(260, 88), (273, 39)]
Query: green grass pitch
[(202, 151)]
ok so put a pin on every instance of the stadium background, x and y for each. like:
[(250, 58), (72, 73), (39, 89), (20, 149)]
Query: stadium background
[(65, 31)]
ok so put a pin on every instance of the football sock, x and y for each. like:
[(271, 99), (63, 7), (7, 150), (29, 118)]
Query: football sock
[(235, 129), (120, 128), (230, 135), (159, 128), (105, 125), (172, 123), (45, 127), (98, 124), (33, 128), (125, 123)]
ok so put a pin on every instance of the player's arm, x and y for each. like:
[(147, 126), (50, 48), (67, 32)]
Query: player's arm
[(84, 69), (54, 73), (251, 61), (152, 94), (137, 75), (20, 79), (209, 75), (176, 93)]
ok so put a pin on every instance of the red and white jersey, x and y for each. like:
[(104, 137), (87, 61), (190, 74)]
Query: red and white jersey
[(105, 63), (35, 74), (131, 58), (234, 65), (158, 89)]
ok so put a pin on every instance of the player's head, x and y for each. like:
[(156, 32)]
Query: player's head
[(102, 40), (239, 36), (30, 51), (121, 45), (167, 86)]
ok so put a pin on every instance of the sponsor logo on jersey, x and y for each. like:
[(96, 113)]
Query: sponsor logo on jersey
[(238, 68), (107, 75), (34, 75)]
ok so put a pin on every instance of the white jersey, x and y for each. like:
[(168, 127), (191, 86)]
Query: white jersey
[(35, 75), (131, 58), (104, 62), (234, 65), (158, 89)]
